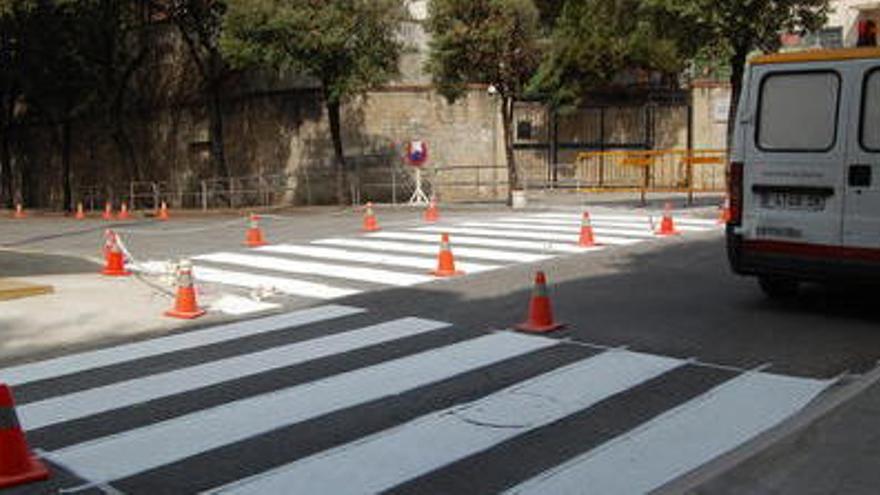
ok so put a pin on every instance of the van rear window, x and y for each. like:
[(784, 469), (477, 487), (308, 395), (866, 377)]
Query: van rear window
[(871, 112), (798, 111)]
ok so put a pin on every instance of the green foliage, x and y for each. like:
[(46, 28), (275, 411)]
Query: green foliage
[(350, 46), (594, 41), (739, 26), (483, 41)]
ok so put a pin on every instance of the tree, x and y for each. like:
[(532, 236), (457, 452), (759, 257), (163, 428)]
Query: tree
[(737, 28), (117, 43), (593, 42), (347, 46), (10, 93), (57, 80), (200, 23), (495, 42)]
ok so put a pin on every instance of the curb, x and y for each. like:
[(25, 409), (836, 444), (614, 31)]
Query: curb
[(834, 398)]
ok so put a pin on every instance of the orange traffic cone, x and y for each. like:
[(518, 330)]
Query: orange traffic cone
[(724, 211), (108, 211), (667, 224), (254, 235), (123, 212), (163, 212), (19, 211), (80, 213), (587, 238), (370, 222), (445, 260), (17, 464), (185, 305), (114, 259), (540, 319), (432, 214)]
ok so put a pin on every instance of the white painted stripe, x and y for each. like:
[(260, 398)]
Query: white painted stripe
[(149, 447), (514, 234), (284, 285), (426, 263), (639, 223), (681, 439), (382, 461), (600, 216), (76, 363), (488, 254), (553, 247), (131, 392), (373, 275), (643, 233)]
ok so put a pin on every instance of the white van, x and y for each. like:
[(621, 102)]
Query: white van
[(805, 170)]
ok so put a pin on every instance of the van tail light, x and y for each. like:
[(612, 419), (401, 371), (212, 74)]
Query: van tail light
[(735, 192)]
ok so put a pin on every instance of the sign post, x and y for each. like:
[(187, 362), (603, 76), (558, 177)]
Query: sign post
[(416, 156)]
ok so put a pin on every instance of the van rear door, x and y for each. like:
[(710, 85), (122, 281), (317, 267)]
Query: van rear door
[(795, 151), (861, 224)]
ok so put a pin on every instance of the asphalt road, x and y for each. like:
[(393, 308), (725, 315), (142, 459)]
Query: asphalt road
[(374, 415)]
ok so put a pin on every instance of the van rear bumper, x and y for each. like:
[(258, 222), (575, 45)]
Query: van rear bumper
[(803, 261)]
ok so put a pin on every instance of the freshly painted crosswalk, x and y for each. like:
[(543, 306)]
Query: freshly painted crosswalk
[(131, 392), (682, 439), (446, 399), (136, 451), (337, 267), (461, 431), (76, 363)]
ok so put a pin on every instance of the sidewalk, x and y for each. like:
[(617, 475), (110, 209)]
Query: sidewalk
[(84, 309)]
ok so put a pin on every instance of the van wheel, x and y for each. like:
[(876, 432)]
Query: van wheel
[(779, 287)]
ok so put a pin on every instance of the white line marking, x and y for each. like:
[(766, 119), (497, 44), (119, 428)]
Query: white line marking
[(600, 216), (76, 363), (282, 284), (369, 257), (513, 234), (135, 451), (373, 275), (633, 232), (382, 461), (486, 242), (639, 223), (489, 254), (123, 394), (683, 438)]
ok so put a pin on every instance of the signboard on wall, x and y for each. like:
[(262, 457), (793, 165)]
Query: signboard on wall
[(720, 109)]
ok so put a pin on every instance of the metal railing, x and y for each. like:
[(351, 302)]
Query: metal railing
[(672, 170)]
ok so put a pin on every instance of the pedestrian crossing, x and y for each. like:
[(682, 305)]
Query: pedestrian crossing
[(369, 404), (336, 267)]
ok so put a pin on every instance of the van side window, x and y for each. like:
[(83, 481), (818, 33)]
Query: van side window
[(871, 112), (798, 111)]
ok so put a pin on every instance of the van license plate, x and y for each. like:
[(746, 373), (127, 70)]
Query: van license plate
[(792, 201)]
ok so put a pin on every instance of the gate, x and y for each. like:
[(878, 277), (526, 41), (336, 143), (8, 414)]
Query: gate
[(547, 143)]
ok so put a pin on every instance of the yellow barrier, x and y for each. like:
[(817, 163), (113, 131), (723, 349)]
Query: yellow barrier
[(670, 170)]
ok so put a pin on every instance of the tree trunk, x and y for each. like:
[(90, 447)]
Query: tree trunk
[(513, 182), (737, 69), (6, 196), (67, 190), (218, 148), (333, 114), (126, 151)]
